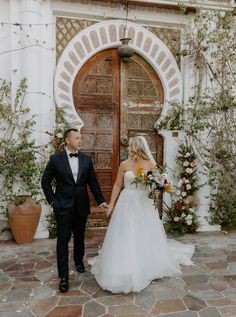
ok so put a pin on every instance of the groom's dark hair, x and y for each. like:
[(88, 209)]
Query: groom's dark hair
[(68, 131)]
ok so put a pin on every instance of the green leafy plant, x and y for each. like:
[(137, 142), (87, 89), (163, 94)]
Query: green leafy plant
[(20, 166), (208, 117)]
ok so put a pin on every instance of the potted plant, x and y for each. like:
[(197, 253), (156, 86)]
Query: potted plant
[(20, 168)]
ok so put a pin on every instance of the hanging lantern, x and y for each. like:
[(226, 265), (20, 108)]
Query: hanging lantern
[(124, 50)]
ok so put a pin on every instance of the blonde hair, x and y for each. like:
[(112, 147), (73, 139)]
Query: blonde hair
[(137, 146)]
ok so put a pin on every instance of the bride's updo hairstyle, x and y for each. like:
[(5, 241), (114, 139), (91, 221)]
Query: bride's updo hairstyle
[(137, 146)]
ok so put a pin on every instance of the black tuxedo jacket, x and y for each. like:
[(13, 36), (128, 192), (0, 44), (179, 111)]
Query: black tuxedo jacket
[(67, 193)]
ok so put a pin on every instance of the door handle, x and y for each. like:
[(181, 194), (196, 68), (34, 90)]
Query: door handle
[(124, 140)]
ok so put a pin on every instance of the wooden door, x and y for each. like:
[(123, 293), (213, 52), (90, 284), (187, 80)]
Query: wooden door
[(141, 105), (96, 92), (116, 100)]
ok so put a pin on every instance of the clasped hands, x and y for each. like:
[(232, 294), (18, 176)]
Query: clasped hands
[(106, 208)]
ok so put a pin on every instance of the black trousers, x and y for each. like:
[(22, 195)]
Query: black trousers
[(71, 222)]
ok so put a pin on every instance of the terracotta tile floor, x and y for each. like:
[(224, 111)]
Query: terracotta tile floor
[(28, 283)]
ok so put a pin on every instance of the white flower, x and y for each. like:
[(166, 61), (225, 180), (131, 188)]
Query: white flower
[(186, 163), (183, 207), (186, 181), (191, 209), (176, 219), (157, 179), (183, 194), (59, 135), (189, 217), (189, 170), (189, 222), (213, 204), (183, 215), (179, 183), (152, 186), (188, 186), (187, 154), (178, 192)]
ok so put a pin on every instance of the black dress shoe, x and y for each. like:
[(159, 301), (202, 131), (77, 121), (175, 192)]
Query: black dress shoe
[(80, 268), (63, 285)]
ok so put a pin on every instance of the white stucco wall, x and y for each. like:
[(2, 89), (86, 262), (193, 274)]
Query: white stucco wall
[(5, 40), (38, 63)]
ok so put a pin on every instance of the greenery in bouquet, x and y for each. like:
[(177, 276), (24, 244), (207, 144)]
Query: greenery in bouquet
[(181, 216), (155, 179)]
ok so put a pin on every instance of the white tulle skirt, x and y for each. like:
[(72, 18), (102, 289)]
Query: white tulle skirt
[(136, 250)]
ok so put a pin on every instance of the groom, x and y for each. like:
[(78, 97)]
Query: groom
[(71, 171)]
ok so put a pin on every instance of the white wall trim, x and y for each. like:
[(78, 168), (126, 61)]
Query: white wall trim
[(104, 35)]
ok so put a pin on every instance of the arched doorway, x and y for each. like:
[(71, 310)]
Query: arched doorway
[(116, 100)]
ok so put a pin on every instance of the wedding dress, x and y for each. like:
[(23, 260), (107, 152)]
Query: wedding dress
[(136, 250)]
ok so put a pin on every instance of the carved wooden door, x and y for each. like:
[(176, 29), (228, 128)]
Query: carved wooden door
[(96, 92), (116, 100), (141, 105)]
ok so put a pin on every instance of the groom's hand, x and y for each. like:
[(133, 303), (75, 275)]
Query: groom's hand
[(104, 206)]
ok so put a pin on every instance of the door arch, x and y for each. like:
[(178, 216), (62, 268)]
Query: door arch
[(101, 36), (116, 100)]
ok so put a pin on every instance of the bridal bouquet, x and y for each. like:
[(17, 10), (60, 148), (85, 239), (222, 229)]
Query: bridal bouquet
[(156, 181)]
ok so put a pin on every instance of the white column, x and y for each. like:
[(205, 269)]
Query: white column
[(203, 195), (46, 110), (203, 208), (189, 81), (170, 152), (31, 68), (169, 155)]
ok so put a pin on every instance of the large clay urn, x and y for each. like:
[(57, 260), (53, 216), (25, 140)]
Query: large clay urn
[(23, 219)]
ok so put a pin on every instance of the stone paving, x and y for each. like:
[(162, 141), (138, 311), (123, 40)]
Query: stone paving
[(29, 284)]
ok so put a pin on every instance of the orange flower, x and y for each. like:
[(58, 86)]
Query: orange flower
[(168, 188), (140, 171)]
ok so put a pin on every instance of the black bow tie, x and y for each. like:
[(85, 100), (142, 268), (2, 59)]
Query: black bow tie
[(73, 154)]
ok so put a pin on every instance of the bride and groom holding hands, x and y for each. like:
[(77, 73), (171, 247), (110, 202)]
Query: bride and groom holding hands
[(135, 250)]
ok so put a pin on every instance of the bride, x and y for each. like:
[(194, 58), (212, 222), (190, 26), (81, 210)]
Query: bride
[(136, 250)]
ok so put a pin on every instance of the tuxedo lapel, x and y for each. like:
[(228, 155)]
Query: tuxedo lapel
[(80, 166), (66, 163)]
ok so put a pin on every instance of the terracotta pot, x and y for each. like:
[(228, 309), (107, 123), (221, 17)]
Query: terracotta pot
[(23, 219)]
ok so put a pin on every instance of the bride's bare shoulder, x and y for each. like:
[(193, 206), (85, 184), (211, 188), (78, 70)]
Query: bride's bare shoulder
[(147, 164), (125, 164)]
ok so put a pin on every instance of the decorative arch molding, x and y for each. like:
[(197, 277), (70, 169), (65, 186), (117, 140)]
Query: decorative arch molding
[(104, 35)]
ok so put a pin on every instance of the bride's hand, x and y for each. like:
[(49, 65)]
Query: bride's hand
[(109, 210)]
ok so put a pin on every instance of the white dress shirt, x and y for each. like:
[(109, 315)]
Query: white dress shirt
[(74, 164)]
